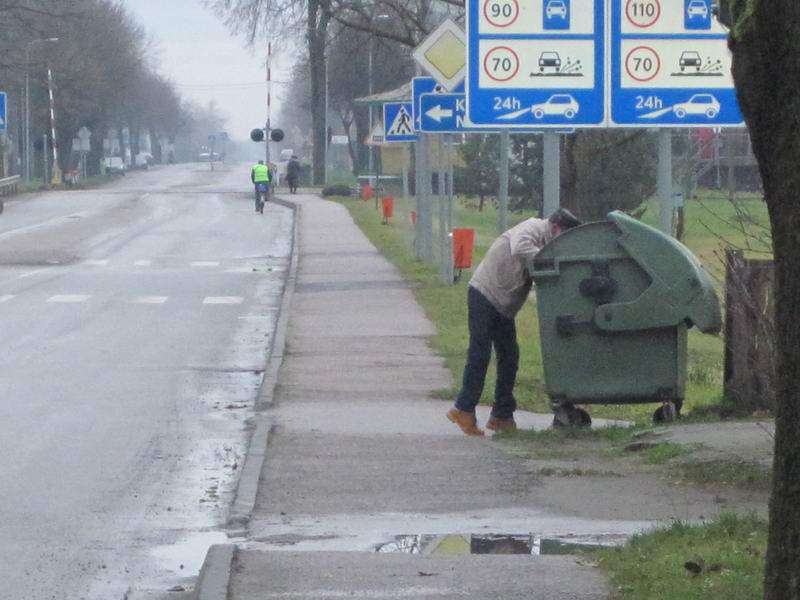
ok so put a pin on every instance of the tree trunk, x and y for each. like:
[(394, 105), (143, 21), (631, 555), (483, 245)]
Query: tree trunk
[(766, 68), (317, 30)]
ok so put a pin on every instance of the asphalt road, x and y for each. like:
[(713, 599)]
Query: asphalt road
[(135, 321)]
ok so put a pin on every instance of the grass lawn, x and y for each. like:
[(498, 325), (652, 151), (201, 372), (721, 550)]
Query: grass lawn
[(722, 559), (708, 223)]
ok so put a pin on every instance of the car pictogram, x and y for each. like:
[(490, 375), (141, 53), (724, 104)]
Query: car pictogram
[(556, 8), (697, 8), (699, 104), (690, 58), (559, 105), (549, 60)]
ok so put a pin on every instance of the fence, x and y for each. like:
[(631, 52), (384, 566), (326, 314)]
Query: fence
[(9, 185), (749, 333)]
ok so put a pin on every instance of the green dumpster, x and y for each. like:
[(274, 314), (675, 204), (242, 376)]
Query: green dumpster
[(615, 300)]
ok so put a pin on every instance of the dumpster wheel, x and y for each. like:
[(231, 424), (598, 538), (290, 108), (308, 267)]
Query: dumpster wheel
[(568, 415), (668, 412)]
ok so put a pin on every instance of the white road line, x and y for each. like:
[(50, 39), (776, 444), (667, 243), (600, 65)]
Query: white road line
[(97, 263), (150, 300), (143, 263), (6, 298), (409, 592), (240, 270), (223, 300), (69, 298), (205, 263)]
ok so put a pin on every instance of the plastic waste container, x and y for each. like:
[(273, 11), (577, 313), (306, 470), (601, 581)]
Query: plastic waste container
[(388, 208), (615, 300)]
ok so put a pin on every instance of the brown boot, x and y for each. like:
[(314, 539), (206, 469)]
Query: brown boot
[(500, 425), (465, 420)]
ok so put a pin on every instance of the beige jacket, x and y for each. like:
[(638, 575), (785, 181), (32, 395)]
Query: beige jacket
[(502, 276)]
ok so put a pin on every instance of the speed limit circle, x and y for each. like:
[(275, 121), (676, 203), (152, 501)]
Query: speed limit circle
[(501, 63), (642, 63), (501, 13), (643, 13)]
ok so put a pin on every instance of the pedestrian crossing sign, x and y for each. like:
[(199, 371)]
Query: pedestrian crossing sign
[(399, 122)]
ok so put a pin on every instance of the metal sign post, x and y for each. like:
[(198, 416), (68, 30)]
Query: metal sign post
[(551, 167), (503, 174)]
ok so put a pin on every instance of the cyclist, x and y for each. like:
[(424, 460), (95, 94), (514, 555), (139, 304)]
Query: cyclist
[(261, 177)]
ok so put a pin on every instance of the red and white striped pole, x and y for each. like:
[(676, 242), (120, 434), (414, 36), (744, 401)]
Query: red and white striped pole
[(56, 179), (269, 95)]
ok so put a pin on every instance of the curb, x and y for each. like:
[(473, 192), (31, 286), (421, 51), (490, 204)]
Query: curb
[(212, 583), (214, 577)]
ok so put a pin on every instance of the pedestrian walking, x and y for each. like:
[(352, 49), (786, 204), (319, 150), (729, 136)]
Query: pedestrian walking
[(496, 293), (293, 174)]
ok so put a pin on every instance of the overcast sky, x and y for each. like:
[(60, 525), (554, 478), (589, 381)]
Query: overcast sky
[(197, 52)]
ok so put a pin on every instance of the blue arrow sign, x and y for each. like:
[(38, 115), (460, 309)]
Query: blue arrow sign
[(3, 112), (398, 122), (670, 66), (427, 85), (443, 113), (538, 64)]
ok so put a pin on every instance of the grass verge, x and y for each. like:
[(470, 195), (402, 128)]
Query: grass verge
[(721, 559), (707, 226), (738, 473)]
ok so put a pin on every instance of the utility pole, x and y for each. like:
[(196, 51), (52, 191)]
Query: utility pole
[(27, 149), (269, 100), (56, 168)]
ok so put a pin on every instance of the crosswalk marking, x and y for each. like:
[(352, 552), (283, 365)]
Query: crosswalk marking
[(223, 300), (6, 298), (97, 263), (150, 300), (205, 263), (68, 298), (143, 263)]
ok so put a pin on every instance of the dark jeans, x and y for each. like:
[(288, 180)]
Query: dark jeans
[(488, 327)]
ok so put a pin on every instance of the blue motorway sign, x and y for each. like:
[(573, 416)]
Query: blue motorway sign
[(398, 122), (670, 65), (3, 112), (536, 63)]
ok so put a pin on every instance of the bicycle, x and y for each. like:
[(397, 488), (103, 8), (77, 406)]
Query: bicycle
[(262, 191)]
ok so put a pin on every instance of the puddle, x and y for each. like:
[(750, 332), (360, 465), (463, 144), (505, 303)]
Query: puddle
[(187, 556), (464, 544)]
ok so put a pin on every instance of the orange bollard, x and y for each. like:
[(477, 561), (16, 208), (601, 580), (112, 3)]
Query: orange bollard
[(463, 241), (366, 192), (388, 209)]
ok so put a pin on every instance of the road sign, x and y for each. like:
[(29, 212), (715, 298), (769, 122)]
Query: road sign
[(398, 122), (3, 112), (536, 63), (427, 85), (443, 54), (376, 137), (670, 65), (443, 113)]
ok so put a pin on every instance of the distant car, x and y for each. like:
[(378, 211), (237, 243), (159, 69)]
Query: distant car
[(699, 104), (549, 60), (556, 8), (561, 105), (114, 165), (697, 8), (143, 160), (690, 58)]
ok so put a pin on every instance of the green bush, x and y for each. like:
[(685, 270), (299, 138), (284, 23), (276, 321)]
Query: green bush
[(336, 190)]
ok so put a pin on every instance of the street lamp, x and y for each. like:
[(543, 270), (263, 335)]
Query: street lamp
[(28, 102), (369, 77)]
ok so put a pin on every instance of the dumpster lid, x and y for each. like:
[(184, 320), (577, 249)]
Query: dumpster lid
[(681, 288)]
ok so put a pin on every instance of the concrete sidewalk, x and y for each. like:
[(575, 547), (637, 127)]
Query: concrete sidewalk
[(359, 454)]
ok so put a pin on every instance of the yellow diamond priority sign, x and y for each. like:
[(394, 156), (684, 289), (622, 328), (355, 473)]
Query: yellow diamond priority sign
[(443, 54)]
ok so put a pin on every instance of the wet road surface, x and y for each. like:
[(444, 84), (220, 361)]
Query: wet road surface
[(135, 322)]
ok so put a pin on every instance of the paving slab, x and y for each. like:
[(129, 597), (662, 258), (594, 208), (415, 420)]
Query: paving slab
[(323, 575)]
